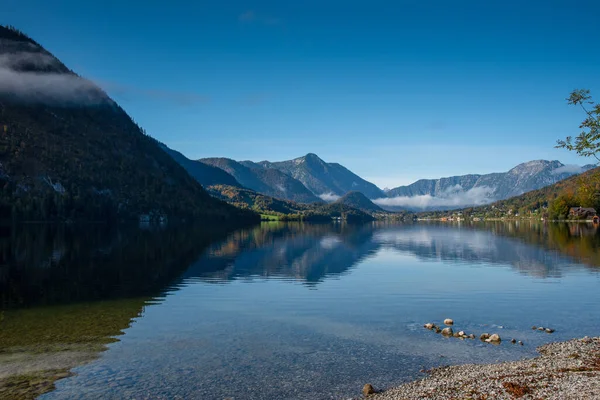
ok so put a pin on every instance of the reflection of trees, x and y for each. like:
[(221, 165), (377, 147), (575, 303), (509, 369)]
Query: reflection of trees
[(579, 241), (47, 264), (67, 292)]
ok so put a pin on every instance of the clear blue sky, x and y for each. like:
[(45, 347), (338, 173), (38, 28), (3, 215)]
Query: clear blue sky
[(394, 90)]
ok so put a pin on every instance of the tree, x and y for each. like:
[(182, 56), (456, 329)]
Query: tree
[(559, 208), (588, 191), (587, 144)]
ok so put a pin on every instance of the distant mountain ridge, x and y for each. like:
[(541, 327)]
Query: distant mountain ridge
[(327, 180), (352, 207), (537, 202), (309, 179), (483, 189), (268, 181)]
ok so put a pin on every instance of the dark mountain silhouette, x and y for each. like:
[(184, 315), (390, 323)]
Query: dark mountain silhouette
[(68, 151)]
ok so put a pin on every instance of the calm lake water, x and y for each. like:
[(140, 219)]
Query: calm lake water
[(280, 310)]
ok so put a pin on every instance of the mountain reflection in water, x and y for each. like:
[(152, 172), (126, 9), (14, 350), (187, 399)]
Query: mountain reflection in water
[(311, 253)]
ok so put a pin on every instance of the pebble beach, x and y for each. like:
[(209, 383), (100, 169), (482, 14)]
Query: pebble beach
[(563, 371)]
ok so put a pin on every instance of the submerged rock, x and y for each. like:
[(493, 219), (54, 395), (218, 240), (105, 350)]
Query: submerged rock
[(494, 339), (534, 327), (368, 389), (448, 321), (472, 336), (438, 329), (447, 332)]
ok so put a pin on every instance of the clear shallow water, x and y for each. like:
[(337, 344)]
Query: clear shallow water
[(315, 311)]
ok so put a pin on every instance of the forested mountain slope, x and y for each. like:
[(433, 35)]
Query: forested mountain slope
[(68, 151)]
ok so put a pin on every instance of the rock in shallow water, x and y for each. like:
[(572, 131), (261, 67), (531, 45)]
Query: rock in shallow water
[(429, 326), (447, 332), (494, 339), (484, 336), (368, 389), (448, 321)]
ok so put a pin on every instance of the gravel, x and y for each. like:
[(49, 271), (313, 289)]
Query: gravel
[(565, 370)]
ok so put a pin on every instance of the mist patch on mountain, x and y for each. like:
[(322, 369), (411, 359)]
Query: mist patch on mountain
[(329, 197), (453, 197), (568, 169), (39, 77)]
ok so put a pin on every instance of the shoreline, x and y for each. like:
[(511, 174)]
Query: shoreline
[(563, 370)]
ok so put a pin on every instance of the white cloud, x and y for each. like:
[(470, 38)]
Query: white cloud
[(24, 76), (329, 197), (453, 197), (39, 77), (568, 169)]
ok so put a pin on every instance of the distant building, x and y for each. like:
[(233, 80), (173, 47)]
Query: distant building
[(582, 212)]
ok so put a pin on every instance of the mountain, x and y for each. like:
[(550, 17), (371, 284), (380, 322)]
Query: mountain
[(460, 191), (345, 212), (205, 174), (268, 181), (285, 209), (246, 198), (578, 190), (359, 201), (326, 180), (68, 151)]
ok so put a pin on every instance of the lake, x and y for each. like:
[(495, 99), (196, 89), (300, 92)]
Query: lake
[(280, 310)]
